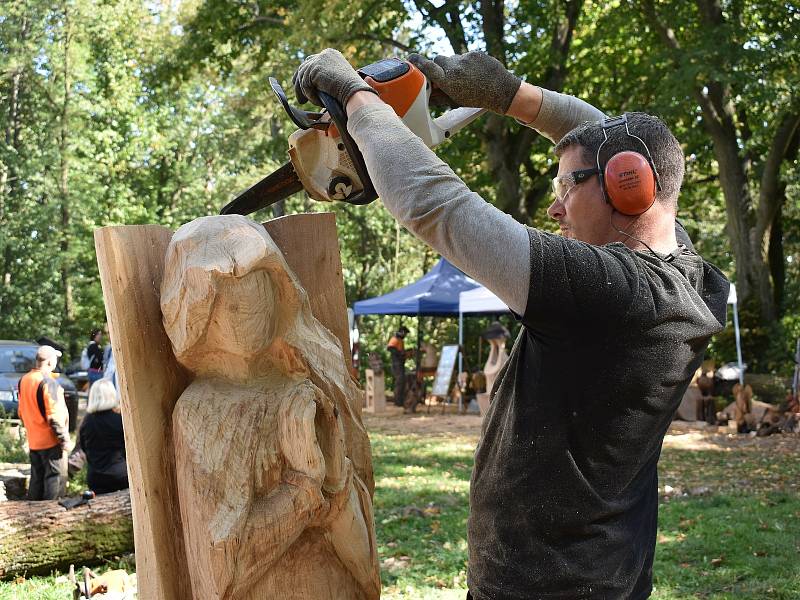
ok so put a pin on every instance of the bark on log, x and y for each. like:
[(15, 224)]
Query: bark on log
[(38, 537)]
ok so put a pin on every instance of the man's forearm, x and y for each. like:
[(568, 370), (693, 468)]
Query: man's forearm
[(427, 198), (551, 114), (59, 430), (526, 103)]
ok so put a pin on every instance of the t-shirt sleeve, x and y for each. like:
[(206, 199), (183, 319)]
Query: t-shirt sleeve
[(53, 393), (576, 284)]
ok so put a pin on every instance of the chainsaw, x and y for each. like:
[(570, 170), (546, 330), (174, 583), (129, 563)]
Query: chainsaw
[(324, 159)]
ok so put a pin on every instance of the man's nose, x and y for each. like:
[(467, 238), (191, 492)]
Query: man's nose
[(556, 209)]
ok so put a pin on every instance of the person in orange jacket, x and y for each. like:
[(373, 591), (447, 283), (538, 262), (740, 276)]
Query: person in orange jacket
[(397, 350), (44, 414)]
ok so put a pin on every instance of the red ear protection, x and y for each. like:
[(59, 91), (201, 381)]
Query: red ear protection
[(629, 182), (629, 179)]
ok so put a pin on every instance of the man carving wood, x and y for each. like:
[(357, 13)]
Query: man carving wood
[(271, 503), (564, 492)]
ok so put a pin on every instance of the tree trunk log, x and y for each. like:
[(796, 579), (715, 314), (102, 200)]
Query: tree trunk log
[(38, 537)]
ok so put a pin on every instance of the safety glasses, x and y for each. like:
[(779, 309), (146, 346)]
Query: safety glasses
[(564, 183)]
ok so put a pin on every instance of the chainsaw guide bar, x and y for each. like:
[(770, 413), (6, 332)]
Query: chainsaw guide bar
[(273, 188)]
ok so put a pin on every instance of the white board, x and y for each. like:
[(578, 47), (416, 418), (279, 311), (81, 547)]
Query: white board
[(444, 372)]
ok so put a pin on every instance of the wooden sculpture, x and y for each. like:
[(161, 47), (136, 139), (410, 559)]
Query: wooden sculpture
[(743, 396), (497, 336), (131, 264), (274, 483)]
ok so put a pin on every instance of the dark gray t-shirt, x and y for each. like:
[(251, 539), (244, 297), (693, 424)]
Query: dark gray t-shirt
[(563, 499)]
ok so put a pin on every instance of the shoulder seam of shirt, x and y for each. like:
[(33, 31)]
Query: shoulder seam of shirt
[(637, 292)]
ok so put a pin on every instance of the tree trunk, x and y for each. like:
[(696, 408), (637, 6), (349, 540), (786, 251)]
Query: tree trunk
[(508, 146), (750, 224), (752, 279), (773, 212), (9, 175), (38, 537), (63, 189)]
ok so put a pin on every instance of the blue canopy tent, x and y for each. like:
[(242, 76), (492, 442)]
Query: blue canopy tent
[(436, 294)]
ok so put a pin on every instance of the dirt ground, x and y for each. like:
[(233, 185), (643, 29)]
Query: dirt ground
[(430, 422), (681, 436)]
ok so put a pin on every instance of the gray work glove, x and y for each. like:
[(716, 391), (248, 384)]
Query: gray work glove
[(473, 79), (328, 72)]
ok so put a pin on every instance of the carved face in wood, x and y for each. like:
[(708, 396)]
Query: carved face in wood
[(242, 319), (227, 295)]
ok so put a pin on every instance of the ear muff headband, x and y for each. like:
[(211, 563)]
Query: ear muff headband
[(629, 180)]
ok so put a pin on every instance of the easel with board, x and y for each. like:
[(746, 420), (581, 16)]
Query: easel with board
[(444, 374)]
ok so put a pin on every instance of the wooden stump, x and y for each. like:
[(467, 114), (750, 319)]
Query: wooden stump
[(14, 481), (39, 537), (375, 392)]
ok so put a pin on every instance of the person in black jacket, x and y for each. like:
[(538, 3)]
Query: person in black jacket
[(94, 352), (103, 441)]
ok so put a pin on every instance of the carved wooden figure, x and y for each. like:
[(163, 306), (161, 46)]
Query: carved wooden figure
[(272, 464), (497, 336), (743, 396)]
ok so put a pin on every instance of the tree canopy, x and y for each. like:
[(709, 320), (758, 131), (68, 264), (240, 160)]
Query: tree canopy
[(158, 112)]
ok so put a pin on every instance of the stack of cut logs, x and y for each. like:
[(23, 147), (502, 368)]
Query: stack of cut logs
[(781, 419), (761, 417)]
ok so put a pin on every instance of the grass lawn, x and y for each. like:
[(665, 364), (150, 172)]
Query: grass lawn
[(730, 527)]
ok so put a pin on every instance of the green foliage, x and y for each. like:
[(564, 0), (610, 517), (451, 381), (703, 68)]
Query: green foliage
[(12, 447), (77, 484), (36, 588), (127, 112)]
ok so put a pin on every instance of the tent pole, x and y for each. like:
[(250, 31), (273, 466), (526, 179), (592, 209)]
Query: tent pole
[(460, 340), (796, 378), (738, 342), (419, 345)]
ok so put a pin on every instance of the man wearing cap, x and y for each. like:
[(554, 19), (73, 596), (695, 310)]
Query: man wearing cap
[(44, 414), (397, 350)]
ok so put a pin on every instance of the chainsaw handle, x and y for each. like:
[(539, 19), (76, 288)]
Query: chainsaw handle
[(339, 117), (302, 118)]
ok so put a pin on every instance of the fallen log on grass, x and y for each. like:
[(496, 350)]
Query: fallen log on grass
[(39, 537)]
